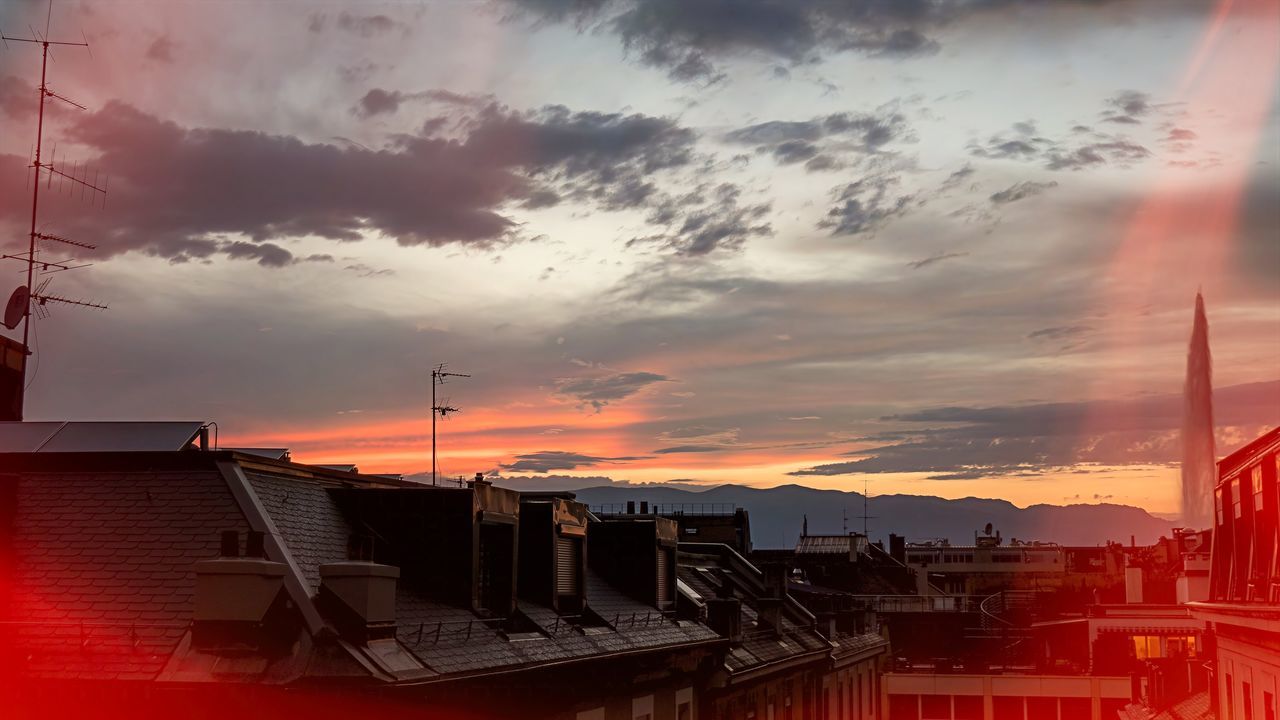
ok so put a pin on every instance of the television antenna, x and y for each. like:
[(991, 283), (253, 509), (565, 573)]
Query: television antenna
[(865, 507), (439, 376), (33, 301)]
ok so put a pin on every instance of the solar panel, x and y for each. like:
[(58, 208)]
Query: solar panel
[(18, 437), (97, 436)]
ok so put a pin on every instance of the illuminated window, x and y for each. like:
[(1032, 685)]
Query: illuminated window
[(1257, 488)]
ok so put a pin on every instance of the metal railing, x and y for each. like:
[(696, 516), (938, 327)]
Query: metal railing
[(666, 509)]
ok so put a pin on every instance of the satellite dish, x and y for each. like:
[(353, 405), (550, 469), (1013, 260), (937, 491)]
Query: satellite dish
[(17, 307), (988, 528)]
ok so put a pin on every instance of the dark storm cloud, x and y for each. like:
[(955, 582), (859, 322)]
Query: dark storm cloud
[(980, 442), (866, 205), (548, 460), (687, 37), (598, 392), (173, 187), (1019, 191)]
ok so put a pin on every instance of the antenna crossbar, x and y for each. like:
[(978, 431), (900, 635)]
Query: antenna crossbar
[(45, 299), (67, 241)]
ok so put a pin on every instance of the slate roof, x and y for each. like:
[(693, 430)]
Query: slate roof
[(453, 640), (1193, 707), (708, 573), (103, 576), (824, 545), (104, 567)]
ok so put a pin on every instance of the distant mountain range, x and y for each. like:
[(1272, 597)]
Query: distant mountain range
[(777, 514)]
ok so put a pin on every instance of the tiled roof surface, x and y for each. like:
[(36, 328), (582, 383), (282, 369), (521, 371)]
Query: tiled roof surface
[(115, 552), (453, 640), (824, 545), (706, 575), (1194, 707), (449, 639), (309, 521)]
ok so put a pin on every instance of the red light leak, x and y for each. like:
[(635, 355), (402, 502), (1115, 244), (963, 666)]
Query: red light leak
[(146, 700)]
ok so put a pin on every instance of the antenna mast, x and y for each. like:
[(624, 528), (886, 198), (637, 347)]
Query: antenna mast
[(438, 376), (37, 298)]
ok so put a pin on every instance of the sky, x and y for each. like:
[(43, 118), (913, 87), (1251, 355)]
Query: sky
[(944, 247)]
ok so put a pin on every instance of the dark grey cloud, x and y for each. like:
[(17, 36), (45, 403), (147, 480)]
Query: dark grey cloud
[(267, 254), (706, 220), (1060, 154), (687, 38), (174, 190), (958, 177), (1127, 107), (967, 442), (822, 141), (1059, 332), (548, 460), (600, 391), (1019, 191), (682, 449), (367, 26), (935, 259), (1119, 151), (866, 205), (161, 49)]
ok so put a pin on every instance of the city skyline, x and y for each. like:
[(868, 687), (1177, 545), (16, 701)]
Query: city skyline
[(955, 250)]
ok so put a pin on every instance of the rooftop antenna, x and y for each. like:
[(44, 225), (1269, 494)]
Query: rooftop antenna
[(438, 377), (865, 507), (34, 301)]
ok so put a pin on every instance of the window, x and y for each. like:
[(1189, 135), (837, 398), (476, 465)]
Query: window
[(935, 707), (1257, 488), (968, 707), (1246, 700), (1231, 698), (1217, 504), (1268, 706), (642, 708), (1008, 707), (1236, 492)]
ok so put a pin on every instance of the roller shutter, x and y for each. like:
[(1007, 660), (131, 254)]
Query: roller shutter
[(664, 577), (568, 563)]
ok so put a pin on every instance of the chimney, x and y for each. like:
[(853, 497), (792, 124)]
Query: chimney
[(898, 548), (360, 597), (631, 507), (724, 616), (775, 580), (234, 595), (827, 624), (644, 507), (769, 614), (1133, 585)]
